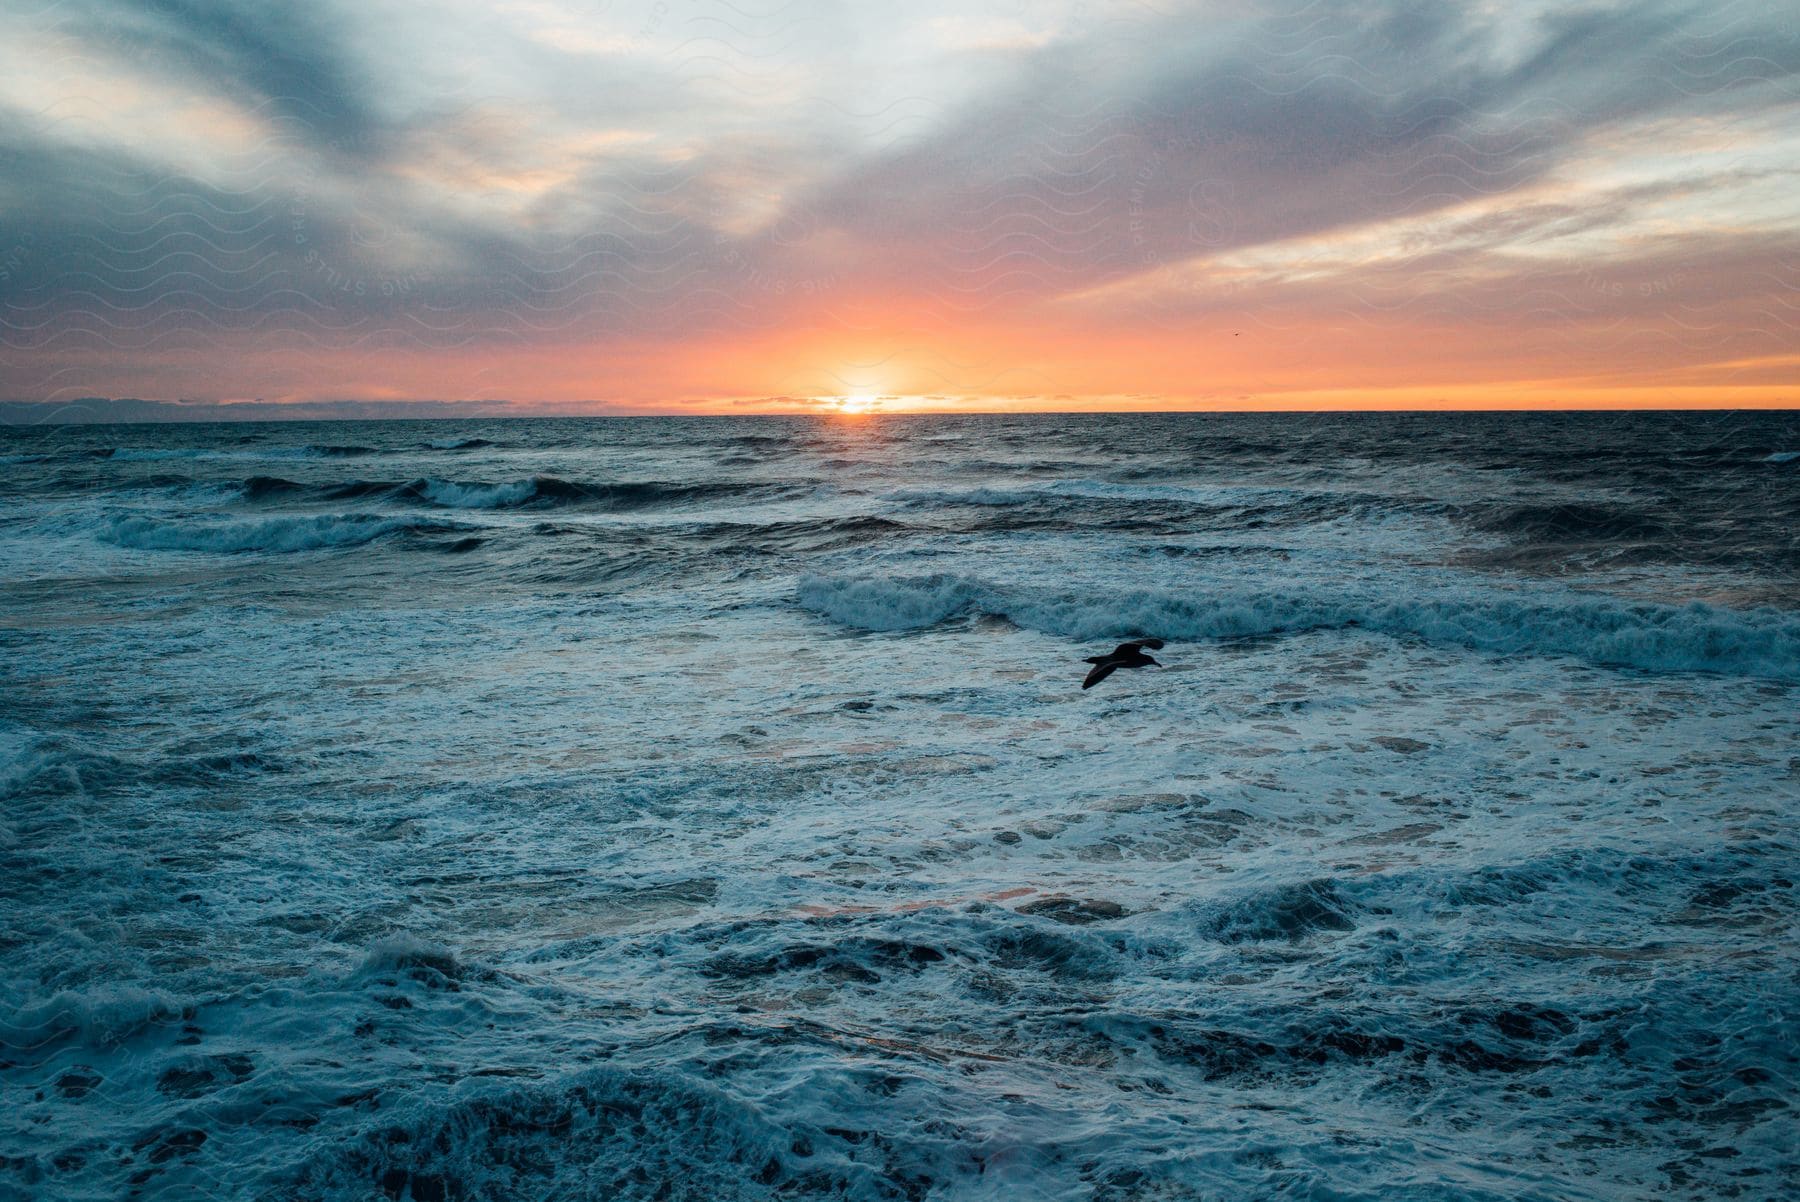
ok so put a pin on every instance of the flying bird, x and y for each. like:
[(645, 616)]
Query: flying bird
[(1125, 655)]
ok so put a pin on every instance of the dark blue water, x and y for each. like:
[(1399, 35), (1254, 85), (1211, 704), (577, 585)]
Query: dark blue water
[(709, 808)]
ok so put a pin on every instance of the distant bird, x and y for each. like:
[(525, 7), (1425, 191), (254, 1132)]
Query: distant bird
[(1125, 655)]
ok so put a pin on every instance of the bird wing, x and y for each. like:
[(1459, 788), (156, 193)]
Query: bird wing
[(1136, 645), (1101, 671)]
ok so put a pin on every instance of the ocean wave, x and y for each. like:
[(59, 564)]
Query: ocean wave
[(1760, 642), (551, 492), (259, 488), (460, 444), (31, 764), (600, 1133), (969, 496), (809, 535), (451, 495), (51, 767), (1286, 912), (1568, 522), (1025, 468), (156, 454), (1092, 490), (151, 454), (1085, 503), (430, 964), (1782, 457), (104, 1016), (767, 440), (455, 494), (280, 534)]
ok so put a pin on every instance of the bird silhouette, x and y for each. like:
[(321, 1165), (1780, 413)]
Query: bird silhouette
[(1125, 655)]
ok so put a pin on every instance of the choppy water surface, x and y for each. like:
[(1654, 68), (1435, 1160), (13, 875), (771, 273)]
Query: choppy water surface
[(709, 809)]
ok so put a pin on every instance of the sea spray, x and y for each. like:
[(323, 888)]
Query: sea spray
[(1695, 637)]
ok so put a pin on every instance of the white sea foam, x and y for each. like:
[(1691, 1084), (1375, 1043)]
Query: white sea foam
[(452, 495), (1603, 630), (595, 865), (299, 533), (102, 1016)]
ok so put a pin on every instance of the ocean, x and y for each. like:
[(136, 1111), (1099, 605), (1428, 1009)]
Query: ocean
[(710, 809)]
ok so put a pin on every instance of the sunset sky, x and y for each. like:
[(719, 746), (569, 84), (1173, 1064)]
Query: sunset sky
[(788, 205)]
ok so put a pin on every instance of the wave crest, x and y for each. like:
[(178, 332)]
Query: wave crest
[(451, 495), (552, 492), (278, 534), (1697, 637), (158, 454), (601, 1133), (103, 1016)]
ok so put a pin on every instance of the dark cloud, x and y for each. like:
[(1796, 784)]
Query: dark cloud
[(290, 60), (1313, 119)]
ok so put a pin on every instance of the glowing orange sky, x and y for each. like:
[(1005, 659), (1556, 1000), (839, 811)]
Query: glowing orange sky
[(619, 208)]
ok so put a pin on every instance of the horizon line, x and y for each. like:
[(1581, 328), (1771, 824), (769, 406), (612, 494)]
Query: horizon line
[(94, 410)]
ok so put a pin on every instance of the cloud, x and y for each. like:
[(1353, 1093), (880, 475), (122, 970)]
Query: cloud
[(117, 410), (292, 60), (651, 183), (1307, 120)]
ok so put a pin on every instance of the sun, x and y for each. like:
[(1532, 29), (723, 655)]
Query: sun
[(858, 402)]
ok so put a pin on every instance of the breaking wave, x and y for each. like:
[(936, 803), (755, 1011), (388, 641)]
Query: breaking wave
[(451, 495), (1697, 637), (551, 492), (157, 454), (600, 1133), (103, 1016), (308, 533)]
